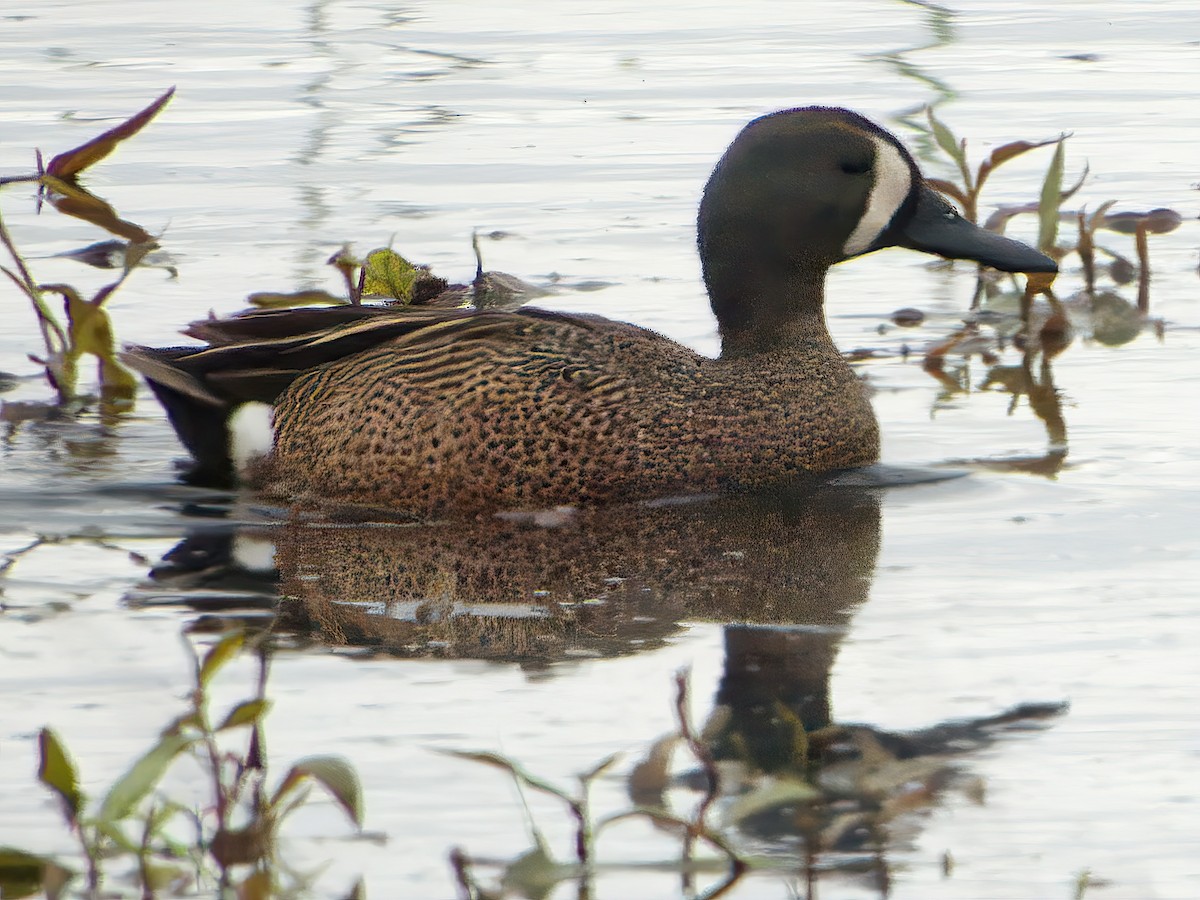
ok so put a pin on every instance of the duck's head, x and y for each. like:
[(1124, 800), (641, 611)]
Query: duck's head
[(802, 189)]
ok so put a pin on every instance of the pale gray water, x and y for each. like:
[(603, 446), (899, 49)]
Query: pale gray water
[(586, 131)]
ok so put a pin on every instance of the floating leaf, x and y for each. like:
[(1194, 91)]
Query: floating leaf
[(142, 777), (57, 772), (534, 874), (333, 773), (651, 776), (1050, 201), (278, 300), (499, 290), (71, 162), (219, 654), (246, 713), (772, 795), (389, 274), (1157, 221)]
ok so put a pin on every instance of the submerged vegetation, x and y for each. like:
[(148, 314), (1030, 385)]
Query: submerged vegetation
[(164, 844)]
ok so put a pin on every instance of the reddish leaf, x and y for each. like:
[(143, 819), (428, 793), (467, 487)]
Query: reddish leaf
[(72, 200), (950, 189), (71, 162), (1069, 192), (1003, 154)]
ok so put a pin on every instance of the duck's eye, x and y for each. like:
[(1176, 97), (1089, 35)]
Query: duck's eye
[(855, 166)]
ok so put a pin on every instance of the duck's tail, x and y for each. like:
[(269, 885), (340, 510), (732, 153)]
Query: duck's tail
[(200, 418)]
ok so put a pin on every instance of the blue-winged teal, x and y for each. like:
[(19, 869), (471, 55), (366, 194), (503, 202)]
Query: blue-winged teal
[(436, 411)]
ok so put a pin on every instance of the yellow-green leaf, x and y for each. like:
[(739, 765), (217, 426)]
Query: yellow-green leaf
[(71, 162), (389, 274), (951, 146), (57, 772), (1050, 201), (246, 713), (142, 777), (280, 300), (944, 136), (220, 653)]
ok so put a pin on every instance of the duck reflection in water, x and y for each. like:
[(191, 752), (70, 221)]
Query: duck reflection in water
[(789, 569)]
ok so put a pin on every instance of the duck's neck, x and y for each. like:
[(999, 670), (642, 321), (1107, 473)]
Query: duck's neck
[(770, 315)]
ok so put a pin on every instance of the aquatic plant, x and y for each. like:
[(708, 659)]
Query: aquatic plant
[(85, 328), (231, 844), (1048, 209), (834, 790)]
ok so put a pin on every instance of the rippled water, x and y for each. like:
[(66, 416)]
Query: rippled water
[(584, 132)]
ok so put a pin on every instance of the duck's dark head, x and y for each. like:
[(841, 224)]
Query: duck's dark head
[(800, 190)]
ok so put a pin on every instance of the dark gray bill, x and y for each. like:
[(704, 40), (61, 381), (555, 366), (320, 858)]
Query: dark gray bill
[(936, 227)]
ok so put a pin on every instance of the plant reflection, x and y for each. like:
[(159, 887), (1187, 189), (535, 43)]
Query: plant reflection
[(786, 574)]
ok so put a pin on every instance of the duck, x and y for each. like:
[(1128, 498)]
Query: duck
[(435, 412)]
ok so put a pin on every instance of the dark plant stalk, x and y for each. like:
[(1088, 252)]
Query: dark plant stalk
[(46, 321), (704, 756), (143, 856), (1086, 249), (1143, 252)]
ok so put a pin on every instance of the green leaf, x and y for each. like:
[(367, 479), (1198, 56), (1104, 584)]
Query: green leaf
[(389, 274), (57, 772), (219, 654), (951, 146), (1050, 201), (944, 136), (142, 777), (247, 713), (333, 773), (71, 162)]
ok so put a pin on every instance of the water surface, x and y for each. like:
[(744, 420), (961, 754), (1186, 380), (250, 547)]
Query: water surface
[(583, 134)]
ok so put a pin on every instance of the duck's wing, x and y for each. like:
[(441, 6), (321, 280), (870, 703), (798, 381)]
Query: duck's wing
[(257, 355)]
